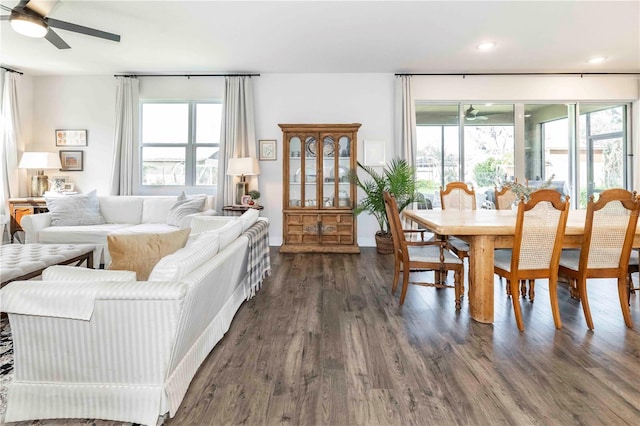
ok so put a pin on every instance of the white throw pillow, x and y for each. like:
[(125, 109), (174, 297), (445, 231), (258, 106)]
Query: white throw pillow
[(229, 233), (185, 260), (185, 206), (249, 218), (71, 210), (72, 273)]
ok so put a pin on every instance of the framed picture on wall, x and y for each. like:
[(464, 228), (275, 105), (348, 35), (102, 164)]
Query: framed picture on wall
[(267, 150), (71, 137), (71, 161)]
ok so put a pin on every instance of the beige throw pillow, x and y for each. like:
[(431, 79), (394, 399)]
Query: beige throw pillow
[(141, 252)]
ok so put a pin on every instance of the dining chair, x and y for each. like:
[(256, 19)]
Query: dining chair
[(505, 198), (458, 196), (609, 229), (537, 244), (414, 256)]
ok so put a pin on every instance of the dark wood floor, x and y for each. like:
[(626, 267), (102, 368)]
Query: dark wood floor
[(325, 343)]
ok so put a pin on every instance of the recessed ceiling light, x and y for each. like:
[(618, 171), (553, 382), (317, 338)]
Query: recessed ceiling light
[(487, 45), (597, 60)]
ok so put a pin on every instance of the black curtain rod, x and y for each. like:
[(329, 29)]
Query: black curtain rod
[(186, 75), (10, 70), (465, 74)]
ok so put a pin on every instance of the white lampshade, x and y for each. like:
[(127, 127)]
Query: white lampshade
[(40, 161), (243, 166)]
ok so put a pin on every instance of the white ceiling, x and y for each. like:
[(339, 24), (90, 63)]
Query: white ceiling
[(334, 37)]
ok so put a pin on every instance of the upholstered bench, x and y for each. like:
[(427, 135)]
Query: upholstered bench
[(25, 261)]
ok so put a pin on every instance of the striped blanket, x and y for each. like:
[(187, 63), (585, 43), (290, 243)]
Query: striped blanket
[(259, 263)]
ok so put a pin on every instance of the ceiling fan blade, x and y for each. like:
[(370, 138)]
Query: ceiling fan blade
[(8, 9), (81, 29), (22, 4), (56, 40)]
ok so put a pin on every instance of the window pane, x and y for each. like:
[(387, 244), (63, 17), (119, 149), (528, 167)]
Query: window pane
[(548, 138), (165, 123), (206, 166), (488, 146), (437, 141), (208, 122), (163, 166)]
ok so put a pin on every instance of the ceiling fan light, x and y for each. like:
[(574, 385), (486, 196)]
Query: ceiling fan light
[(30, 26)]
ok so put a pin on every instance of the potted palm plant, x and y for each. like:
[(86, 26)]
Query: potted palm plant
[(398, 178)]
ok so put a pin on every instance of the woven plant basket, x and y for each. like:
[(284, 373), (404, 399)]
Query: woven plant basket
[(384, 243)]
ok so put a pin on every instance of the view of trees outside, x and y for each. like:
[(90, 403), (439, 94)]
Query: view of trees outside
[(180, 143)]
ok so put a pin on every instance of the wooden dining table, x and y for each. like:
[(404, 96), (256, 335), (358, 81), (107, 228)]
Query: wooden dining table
[(484, 231)]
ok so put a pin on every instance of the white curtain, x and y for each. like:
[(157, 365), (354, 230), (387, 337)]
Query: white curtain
[(122, 179), (237, 136), (9, 128), (405, 119)]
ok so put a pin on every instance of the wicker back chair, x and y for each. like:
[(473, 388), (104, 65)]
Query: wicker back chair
[(608, 236), (457, 196), (536, 249), (505, 198), (420, 256)]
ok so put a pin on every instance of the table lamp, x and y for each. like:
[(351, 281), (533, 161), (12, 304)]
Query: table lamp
[(242, 166), (39, 161)]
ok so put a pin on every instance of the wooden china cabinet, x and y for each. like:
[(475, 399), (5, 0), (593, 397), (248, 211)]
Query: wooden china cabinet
[(318, 195)]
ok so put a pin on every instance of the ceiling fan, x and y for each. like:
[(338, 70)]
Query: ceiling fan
[(29, 18), (472, 114)]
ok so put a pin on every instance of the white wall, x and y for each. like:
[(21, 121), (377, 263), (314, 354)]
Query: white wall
[(79, 102), (88, 102)]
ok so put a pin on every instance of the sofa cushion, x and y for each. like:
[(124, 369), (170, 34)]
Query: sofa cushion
[(121, 209), (89, 234), (81, 209), (185, 206), (201, 224), (147, 228), (72, 273), (175, 266), (156, 209), (141, 252), (249, 218)]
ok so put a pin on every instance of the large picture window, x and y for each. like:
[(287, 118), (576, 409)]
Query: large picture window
[(179, 143), (581, 145)]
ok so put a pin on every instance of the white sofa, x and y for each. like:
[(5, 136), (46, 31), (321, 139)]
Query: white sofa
[(98, 344), (122, 214)]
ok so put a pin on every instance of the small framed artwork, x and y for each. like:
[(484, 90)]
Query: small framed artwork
[(71, 137), (246, 199), (58, 183), (68, 187), (71, 161), (267, 150)]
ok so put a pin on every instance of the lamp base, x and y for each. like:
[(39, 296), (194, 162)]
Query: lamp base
[(39, 185), (241, 191)]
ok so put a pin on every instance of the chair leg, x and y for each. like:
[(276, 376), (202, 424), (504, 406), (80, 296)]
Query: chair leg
[(396, 276), (532, 289), (582, 288), (553, 295), (458, 278), (508, 287), (516, 304), (573, 288), (623, 293), (405, 283), (523, 288)]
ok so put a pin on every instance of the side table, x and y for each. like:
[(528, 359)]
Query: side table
[(19, 207), (237, 210)]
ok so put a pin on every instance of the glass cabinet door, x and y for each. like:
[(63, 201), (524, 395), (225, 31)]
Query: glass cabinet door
[(344, 160), (310, 172), (296, 154)]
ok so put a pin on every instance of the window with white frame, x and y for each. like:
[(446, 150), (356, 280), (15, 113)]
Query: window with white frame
[(179, 142)]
